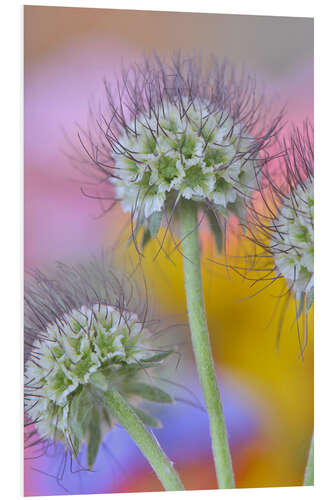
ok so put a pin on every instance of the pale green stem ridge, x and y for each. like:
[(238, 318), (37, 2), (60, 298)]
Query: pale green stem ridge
[(145, 441), (309, 471), (201, 344)]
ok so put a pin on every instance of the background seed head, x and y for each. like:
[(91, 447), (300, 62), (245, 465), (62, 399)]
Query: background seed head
[(285, 230), (77, 354), (292, 242)]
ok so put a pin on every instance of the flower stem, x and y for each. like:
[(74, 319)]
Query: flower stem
[(309, 473), (201, 344), (145, 441)]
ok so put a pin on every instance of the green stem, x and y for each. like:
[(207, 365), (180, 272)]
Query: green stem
[(308, 477), (201, 344), (148, 445)]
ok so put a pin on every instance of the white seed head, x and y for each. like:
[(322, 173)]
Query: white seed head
[(77, 351), (292, 239), (177, 130), (282, 225), (185, 149), (77, 354)]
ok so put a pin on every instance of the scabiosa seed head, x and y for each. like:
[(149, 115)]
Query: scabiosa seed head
[(285, 232), (186, 149), (292, 242), (82, 343), (175, 130)]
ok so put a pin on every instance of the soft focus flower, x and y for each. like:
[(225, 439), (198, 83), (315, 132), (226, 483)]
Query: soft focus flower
[(177, 130), (83, 341), (285, 230), (292, 242)]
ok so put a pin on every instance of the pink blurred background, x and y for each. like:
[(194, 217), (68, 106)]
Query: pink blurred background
[(268, 395)]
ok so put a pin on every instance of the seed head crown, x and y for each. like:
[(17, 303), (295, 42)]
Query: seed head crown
[(187, 150)]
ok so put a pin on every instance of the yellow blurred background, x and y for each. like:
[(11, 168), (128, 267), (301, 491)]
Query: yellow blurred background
[(244, 335)]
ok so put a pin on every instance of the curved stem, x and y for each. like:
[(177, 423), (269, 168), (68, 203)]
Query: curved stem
[(201, 344), (309, 472), (145, 441)]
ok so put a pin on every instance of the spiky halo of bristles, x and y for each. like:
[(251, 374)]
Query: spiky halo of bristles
[(82, 339), (178, 130), (283, 224)]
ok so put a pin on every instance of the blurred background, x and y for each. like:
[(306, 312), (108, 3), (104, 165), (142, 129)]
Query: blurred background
[(267, 390)]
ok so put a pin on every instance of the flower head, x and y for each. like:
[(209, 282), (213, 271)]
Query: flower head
[(292, 242), (82, 341), (179, 131), (186, 149), (285, 232)]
